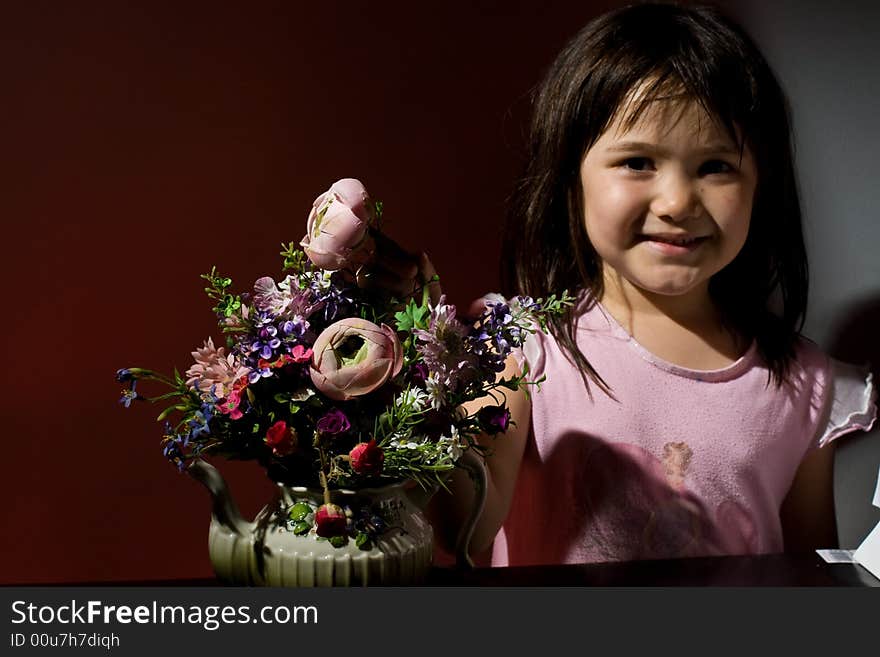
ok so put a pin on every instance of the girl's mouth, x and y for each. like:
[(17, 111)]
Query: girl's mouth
[(673, 244)]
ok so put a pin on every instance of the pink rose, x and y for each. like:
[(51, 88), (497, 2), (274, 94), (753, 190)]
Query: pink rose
[(367, 458), (330, 521), (353, 357), (338, 227)]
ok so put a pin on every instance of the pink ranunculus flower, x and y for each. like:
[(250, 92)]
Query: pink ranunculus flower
[(353, 357), (338, 234)]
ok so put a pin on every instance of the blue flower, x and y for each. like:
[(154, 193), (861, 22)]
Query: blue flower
[(198, 424), (174, 449), (124, 375), (129, 395)]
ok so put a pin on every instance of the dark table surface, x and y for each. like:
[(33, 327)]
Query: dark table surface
[(763, 570)]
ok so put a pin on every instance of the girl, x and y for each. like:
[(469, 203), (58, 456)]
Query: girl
[(683, 414)]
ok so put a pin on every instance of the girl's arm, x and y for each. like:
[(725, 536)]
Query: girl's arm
[(448, 510), (807, 512)]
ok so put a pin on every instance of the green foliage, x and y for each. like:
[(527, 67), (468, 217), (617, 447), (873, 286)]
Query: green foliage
[(378, 208), (227, 303), (552, 305), (413, 316), (295, 259)]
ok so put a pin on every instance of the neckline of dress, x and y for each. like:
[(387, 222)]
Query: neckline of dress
[(726, 373)]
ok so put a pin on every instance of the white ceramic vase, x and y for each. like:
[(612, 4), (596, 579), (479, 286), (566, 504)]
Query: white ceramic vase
[(391, 542)]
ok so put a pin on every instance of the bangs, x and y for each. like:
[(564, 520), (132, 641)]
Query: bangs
[(638, 65), (667, 99)]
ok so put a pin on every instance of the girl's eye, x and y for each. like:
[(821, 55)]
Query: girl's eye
[(638, 163), (715, 166)]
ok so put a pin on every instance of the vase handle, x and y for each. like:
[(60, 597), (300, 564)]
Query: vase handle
[(475, 467), (224, 508)]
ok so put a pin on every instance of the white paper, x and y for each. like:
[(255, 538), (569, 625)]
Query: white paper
[(868, 553), (837, 556), (876, 501)]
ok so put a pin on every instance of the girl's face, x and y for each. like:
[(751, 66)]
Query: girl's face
[(667, 203)]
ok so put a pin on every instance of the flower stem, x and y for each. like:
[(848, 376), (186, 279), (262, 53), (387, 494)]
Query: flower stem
[(323, 475)]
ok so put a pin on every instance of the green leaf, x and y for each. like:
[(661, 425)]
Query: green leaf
[(301, 528), (363, 541), (338, 541), (165, 413), (378, 207), (413, 316), (300, 511)]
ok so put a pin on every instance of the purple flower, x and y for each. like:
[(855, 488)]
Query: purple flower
[(129, 395), (266, 342), (445, 347), (333, 422), (501, 323), (259, 373), (499, 315), (295, 327), (417, 374), (493, 419), (267, 297), (124, 375), (333, 295)]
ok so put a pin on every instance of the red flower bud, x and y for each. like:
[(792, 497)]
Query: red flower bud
[(367, 458), (330, 521), (280, 438)]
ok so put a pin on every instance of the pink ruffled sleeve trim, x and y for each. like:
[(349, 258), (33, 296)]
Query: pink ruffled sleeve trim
[(532, 352), (854, 405)]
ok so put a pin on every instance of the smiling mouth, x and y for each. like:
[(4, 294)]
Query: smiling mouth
[(675, 241)]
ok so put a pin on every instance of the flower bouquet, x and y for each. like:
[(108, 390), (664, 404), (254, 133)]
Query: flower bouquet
[(332, 384)]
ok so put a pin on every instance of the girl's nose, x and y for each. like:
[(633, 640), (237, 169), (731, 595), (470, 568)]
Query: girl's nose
[(675, 198)]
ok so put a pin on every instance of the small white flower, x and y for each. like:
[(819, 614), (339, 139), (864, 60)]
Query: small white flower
[(452, 444), (455, 451), (436, 391), (289, 283), (412, 398)]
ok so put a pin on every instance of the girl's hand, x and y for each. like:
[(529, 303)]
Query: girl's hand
[(399, 271)]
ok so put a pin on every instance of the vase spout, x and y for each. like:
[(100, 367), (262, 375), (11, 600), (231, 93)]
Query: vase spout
[(224, 509)]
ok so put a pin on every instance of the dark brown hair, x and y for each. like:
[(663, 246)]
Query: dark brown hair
[(690, 51)]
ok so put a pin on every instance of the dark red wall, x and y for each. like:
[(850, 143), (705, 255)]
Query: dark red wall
[(141, 146)]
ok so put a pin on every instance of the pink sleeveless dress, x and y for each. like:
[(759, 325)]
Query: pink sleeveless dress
[(684, 463)]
